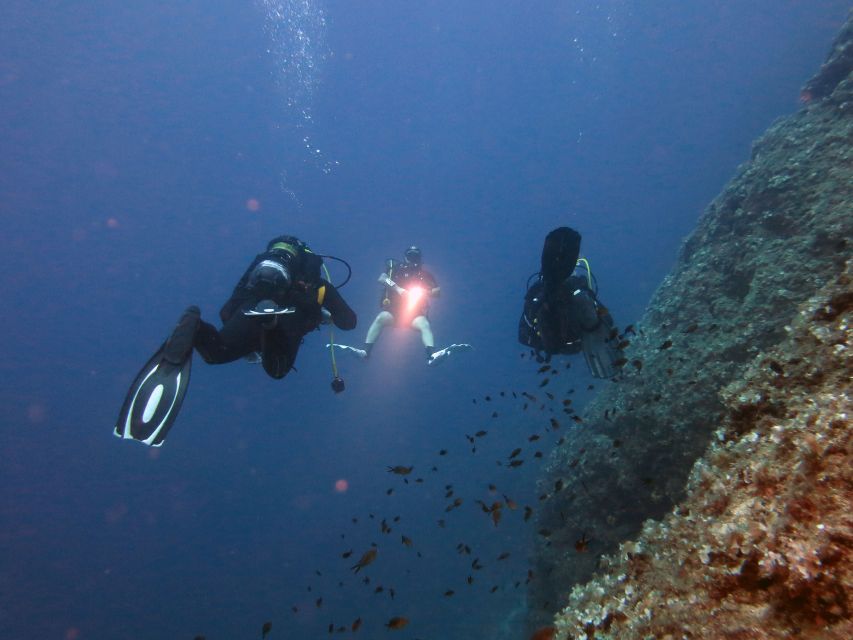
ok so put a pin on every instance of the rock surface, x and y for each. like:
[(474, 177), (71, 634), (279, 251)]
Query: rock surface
[(746, 339)]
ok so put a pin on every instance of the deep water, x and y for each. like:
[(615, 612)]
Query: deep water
[(149, 150)]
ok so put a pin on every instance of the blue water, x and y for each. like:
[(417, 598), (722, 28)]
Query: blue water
[(136, 142)]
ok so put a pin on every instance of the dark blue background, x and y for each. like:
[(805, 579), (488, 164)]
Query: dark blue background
[(132, 136)]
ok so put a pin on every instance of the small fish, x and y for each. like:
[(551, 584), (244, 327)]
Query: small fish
[(481, 433), (629, 329), (544, 368), (449, 494), (443, 452), (538, 454), (367, 557), (400, 470), (514, 453), (554, 424), (623, 345), (407, 541), (492, 488), (265, 630), (533, 438), (665, 345), (691, 328), (318, 602), (617, 443), (545, 533), (494, 414), (397, 622), (470, 579), (511, 505), (476, 566), (577, 419), (620, 362), (544, 382), (496, 516), (449, 593), (582, 544), (503, 394), (346, 554), (488, 398), (389, 492), (528, 511), (504, 555), (550, 395), (441, 523), (379, 589), (356, 625), (516, 463), (391, 592), (558, 486)]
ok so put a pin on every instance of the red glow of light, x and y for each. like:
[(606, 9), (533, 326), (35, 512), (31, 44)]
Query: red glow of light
[(72, 633), (806, 96), (253, 204), (341, 486), (112, 223), (414, 297)]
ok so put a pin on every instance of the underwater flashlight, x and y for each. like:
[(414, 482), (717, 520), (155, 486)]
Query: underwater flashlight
[(338, 384)]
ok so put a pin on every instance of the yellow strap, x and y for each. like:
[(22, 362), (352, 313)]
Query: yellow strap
[(321, 294)]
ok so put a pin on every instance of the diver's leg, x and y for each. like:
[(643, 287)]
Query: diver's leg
[(278, 352), (380, 322), (421, 323), (239, 337)]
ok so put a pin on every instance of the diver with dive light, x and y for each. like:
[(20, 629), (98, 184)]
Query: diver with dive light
[(281, 297), (562, 313), (405, 301)]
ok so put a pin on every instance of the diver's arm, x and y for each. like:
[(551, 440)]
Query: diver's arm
[(342, 315)]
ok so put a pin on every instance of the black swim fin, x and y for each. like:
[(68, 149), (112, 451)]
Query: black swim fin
[(599, 351), (156, 395)]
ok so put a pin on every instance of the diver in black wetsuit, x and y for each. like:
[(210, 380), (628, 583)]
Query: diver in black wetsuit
[(288, 275), (280, 298), (562, 313)]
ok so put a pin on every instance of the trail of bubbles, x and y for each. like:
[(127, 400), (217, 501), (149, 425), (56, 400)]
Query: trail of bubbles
[(296, 31)]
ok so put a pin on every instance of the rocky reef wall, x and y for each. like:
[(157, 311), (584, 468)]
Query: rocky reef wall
[(742, 363)]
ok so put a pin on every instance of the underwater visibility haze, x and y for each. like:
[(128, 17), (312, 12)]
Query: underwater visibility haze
[(149, 150)]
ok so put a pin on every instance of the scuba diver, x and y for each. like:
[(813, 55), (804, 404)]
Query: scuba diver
[(280, 298), (562, 313), (407, 289)]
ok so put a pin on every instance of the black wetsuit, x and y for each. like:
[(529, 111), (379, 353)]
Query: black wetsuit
[(555, 323), (277, 341), (407, 276)]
